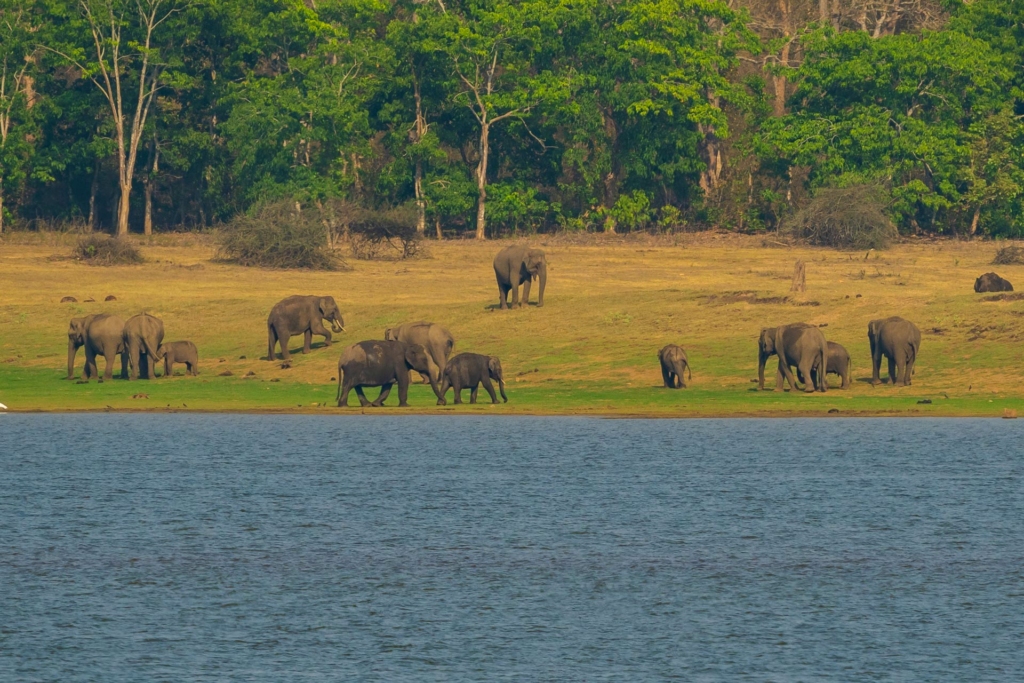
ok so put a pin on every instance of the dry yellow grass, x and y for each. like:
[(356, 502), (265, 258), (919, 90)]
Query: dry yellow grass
[(610, 305)]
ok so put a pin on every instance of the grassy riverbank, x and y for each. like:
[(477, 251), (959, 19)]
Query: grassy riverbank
[(610, 305)]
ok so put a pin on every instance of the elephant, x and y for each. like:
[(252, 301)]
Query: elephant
[(381, 364), (990, 282), (469, 371), (101, 335), (179, 352), (520, 264), (142, 335), (438, 342), (838, 364), (673, 362), (301, 315), (899, 341), (796, 344)]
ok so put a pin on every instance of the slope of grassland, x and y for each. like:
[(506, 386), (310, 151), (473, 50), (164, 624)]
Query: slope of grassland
[(610, 305)]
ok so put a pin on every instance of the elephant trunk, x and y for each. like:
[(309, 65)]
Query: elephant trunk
[(72, 351), (434, 385), (337, 326), (501, 388), (543, 276)]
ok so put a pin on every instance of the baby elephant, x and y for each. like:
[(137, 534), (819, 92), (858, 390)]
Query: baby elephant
[(838, 364), (673, 363), (468, 371), (179, 352)]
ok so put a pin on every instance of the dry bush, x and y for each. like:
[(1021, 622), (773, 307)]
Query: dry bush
[(1009, 256), (104, 250), (279, 235), (384, 236), (846, 218)]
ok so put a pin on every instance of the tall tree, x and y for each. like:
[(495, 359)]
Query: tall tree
[(16, 92)]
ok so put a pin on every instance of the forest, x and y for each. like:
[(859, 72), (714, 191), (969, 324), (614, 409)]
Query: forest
[(490, 118)]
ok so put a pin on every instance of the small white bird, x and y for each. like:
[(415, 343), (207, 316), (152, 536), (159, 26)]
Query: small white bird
[(3, 407)]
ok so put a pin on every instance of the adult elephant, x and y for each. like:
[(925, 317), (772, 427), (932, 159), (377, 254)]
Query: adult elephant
[(142, 335), (381, 364), (899, 341), (520, 264), (301, 314), (438, 342), (101, 335), (673, 364), (796, 344)]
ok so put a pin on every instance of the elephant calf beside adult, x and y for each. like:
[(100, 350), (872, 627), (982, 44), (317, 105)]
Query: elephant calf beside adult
[(899, 341), (142, 335), (381, 364), (796, 344), (469, 371), (101, 335), (301, 314), (520, 264), (438, 342)]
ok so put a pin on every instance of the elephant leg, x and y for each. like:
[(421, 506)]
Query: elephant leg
[(125, 370), (307, 341), (489, 387), (805, 372), (271, 342), (876, 367), (283, 340), (526, 292), (502, 297), (893, 376), (90, 364), (403, 392), (666, 378), (515, 292), (168, 366), (344, 386), (780, 378), (457, 389), (473, 391), (150, 367), (133, 360), (445, 383), (911, 360), (680, 369), (317, 328), (901, 371), (108, 369), (363, 401), (385, 391)]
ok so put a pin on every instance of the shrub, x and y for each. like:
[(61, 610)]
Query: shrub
[(279, 235), (104, 250), (387, 235), (1008, 256), (632, 211), (845, 217)]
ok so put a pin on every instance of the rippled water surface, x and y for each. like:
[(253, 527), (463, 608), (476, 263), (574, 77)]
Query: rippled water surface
[(402, 548)]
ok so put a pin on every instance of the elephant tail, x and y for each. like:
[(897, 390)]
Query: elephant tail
[(689, 374)]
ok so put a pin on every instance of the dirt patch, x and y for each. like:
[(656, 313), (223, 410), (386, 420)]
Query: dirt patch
[(752, 298), (1016, 296)]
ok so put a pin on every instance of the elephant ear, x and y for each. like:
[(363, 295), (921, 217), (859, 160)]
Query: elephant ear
[(494, 367), (388, 335), (324, 305), (411, 352)]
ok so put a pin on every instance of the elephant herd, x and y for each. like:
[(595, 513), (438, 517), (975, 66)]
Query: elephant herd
[(139, 342), (426, 347)]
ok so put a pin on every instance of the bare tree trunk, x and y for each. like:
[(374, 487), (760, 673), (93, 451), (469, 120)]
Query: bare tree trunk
[(824, 13), (974, 220), (481, 181), (123, 206), (421, 130), (799, 278), (437, 226), (1, 205), (154, 155), (780, 80), (91, 225)]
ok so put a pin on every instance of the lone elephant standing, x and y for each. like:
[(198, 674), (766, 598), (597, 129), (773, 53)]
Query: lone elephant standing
[(520, 264), (142, 337), (899, 341), (101, 335), (303, 315), (673, 364), (438, 342)]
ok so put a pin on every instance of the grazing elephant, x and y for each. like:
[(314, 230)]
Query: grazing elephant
[(142, 336), (673, 362), (899, 341), (179, 352), (796, 344), (301, 315), (469, 371), (101, 335), (516, 265), (435, 339), (381, 364), (838, 364), (990, 282)]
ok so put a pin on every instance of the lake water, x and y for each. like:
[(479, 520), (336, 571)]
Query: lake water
[(404, 548)]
